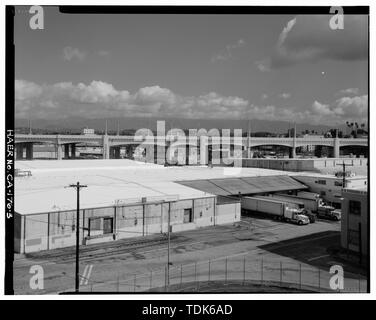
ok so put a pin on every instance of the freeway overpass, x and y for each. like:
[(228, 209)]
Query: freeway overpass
[(111, 144)]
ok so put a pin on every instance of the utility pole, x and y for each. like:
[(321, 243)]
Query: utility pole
[(344, 165), (78, 186), (168, 245)]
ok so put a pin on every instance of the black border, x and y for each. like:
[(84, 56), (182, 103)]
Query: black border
[(218, 10), (9, 149)]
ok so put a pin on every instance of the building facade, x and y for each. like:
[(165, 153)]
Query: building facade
[(354, 224), (330, 187), (51, 230)]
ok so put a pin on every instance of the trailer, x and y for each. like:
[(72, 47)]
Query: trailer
[(309, 207), (275, 209), (312, 202)]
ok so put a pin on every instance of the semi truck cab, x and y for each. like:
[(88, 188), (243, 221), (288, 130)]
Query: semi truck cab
[(296, 215)]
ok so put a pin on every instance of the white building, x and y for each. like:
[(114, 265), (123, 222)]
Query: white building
[(88, 131), (354, 224), (330, 186)]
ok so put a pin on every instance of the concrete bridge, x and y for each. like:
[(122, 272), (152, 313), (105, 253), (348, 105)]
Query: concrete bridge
[(111, 144)]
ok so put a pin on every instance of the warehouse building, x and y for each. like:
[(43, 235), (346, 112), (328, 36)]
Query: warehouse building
[(330, 186), (126, 198)]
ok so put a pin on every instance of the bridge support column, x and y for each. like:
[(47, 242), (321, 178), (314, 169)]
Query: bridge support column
[(19, 151), (29, 151), (292, 153), (59, 151), (106, 147), (66, 151), (73, 150), (336, 148), (204, 150)]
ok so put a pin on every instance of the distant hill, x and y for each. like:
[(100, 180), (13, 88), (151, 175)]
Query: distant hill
[(76, 124)]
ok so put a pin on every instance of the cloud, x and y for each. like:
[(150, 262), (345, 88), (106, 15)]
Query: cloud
[(345, 108), (70, 54), (227, 53), (285, 95), (309, 38), (263, 65), (99, 99), (348, 91)]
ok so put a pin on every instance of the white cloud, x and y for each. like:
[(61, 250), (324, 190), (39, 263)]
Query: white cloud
[(348, 91), (263, 65), (70, 54), (99, 99), (285, 95), (227, 53), (309, 38)]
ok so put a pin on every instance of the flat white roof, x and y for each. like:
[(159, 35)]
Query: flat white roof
[(326, 176), (110, 180)]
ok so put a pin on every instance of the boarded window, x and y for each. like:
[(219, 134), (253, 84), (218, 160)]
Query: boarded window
[(188, 217), (107, 225), (354, 207)]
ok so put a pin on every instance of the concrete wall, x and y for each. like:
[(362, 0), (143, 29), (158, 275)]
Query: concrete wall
[(301, 164), (350, 222), (228, 213), (58, 229)]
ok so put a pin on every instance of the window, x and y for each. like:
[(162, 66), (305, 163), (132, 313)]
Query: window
[(321, 181), (107, 225), (354, 207), (322, 193), (188, 217), (338, 183)]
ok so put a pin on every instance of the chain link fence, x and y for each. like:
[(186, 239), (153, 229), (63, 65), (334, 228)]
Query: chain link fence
[(238, 271)]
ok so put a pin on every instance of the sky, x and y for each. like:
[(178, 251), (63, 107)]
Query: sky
[(270, 67)]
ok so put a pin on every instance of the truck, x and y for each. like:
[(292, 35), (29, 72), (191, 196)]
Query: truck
[(314, 203), (308, 206), (276, 209), (329, 212)]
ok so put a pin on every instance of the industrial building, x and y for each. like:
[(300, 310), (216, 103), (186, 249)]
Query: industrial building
[(302, 164), (330, 186), (354, 226), (126, 198)]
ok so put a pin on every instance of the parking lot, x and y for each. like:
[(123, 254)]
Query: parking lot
[(252, 238)]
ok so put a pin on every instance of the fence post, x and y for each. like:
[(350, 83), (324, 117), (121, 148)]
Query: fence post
[(165, 276), (319, 280), (181, 275), (243, 270), (300, 275), (226, 272), (262, 270), (151, 279), (195, 271), (280, 273), (209, 269)]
